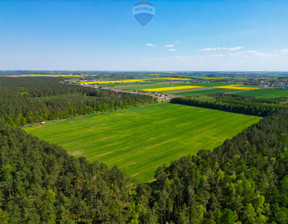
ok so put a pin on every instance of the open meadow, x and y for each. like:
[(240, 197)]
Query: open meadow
[(205, 92), (142, 139), (266, 93)]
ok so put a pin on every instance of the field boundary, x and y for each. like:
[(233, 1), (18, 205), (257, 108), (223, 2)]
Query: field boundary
[(88, 115)]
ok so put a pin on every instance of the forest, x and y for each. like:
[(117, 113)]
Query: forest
[(236, 104), (32, 100), (242, 181)]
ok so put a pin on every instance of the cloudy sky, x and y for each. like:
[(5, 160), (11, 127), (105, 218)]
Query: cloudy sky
[(184, 35)]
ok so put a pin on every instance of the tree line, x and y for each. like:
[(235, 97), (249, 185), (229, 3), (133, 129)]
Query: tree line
[(31, 100), (233, 103)]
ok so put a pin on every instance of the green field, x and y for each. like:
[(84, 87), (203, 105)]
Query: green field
[(140, 140), (266, 93), (205, 92)]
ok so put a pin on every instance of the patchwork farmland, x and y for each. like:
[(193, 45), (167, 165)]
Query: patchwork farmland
[(170, 87), (139, 86), (142, 139)]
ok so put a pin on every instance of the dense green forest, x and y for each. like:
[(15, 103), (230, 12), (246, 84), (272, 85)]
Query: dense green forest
[(41, 183), (245, 180), (234, 103), (31, 100)]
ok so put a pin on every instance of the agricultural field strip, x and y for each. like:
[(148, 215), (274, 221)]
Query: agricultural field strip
[(67, 76), (237, 87), (206, 91), (171, 88), (140, 140), (265, 93), (133, 80), (215, 78), (177, 92), (162, 85)]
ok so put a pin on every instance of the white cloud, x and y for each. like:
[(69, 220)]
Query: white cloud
[(256, 53), (172, 50), (217, 55), (222, 48), (211, 49), (284, 51), (170, 45), (243, 53), (235, 48), (151, 45)]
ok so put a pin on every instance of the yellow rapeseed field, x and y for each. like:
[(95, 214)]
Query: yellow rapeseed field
[(171, 88), (118, 81), (237, 87)]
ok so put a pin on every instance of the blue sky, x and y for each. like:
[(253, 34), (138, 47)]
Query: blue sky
[(184, 35)]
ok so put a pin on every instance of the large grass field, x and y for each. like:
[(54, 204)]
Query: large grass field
[(266, 93), (142, 139)]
